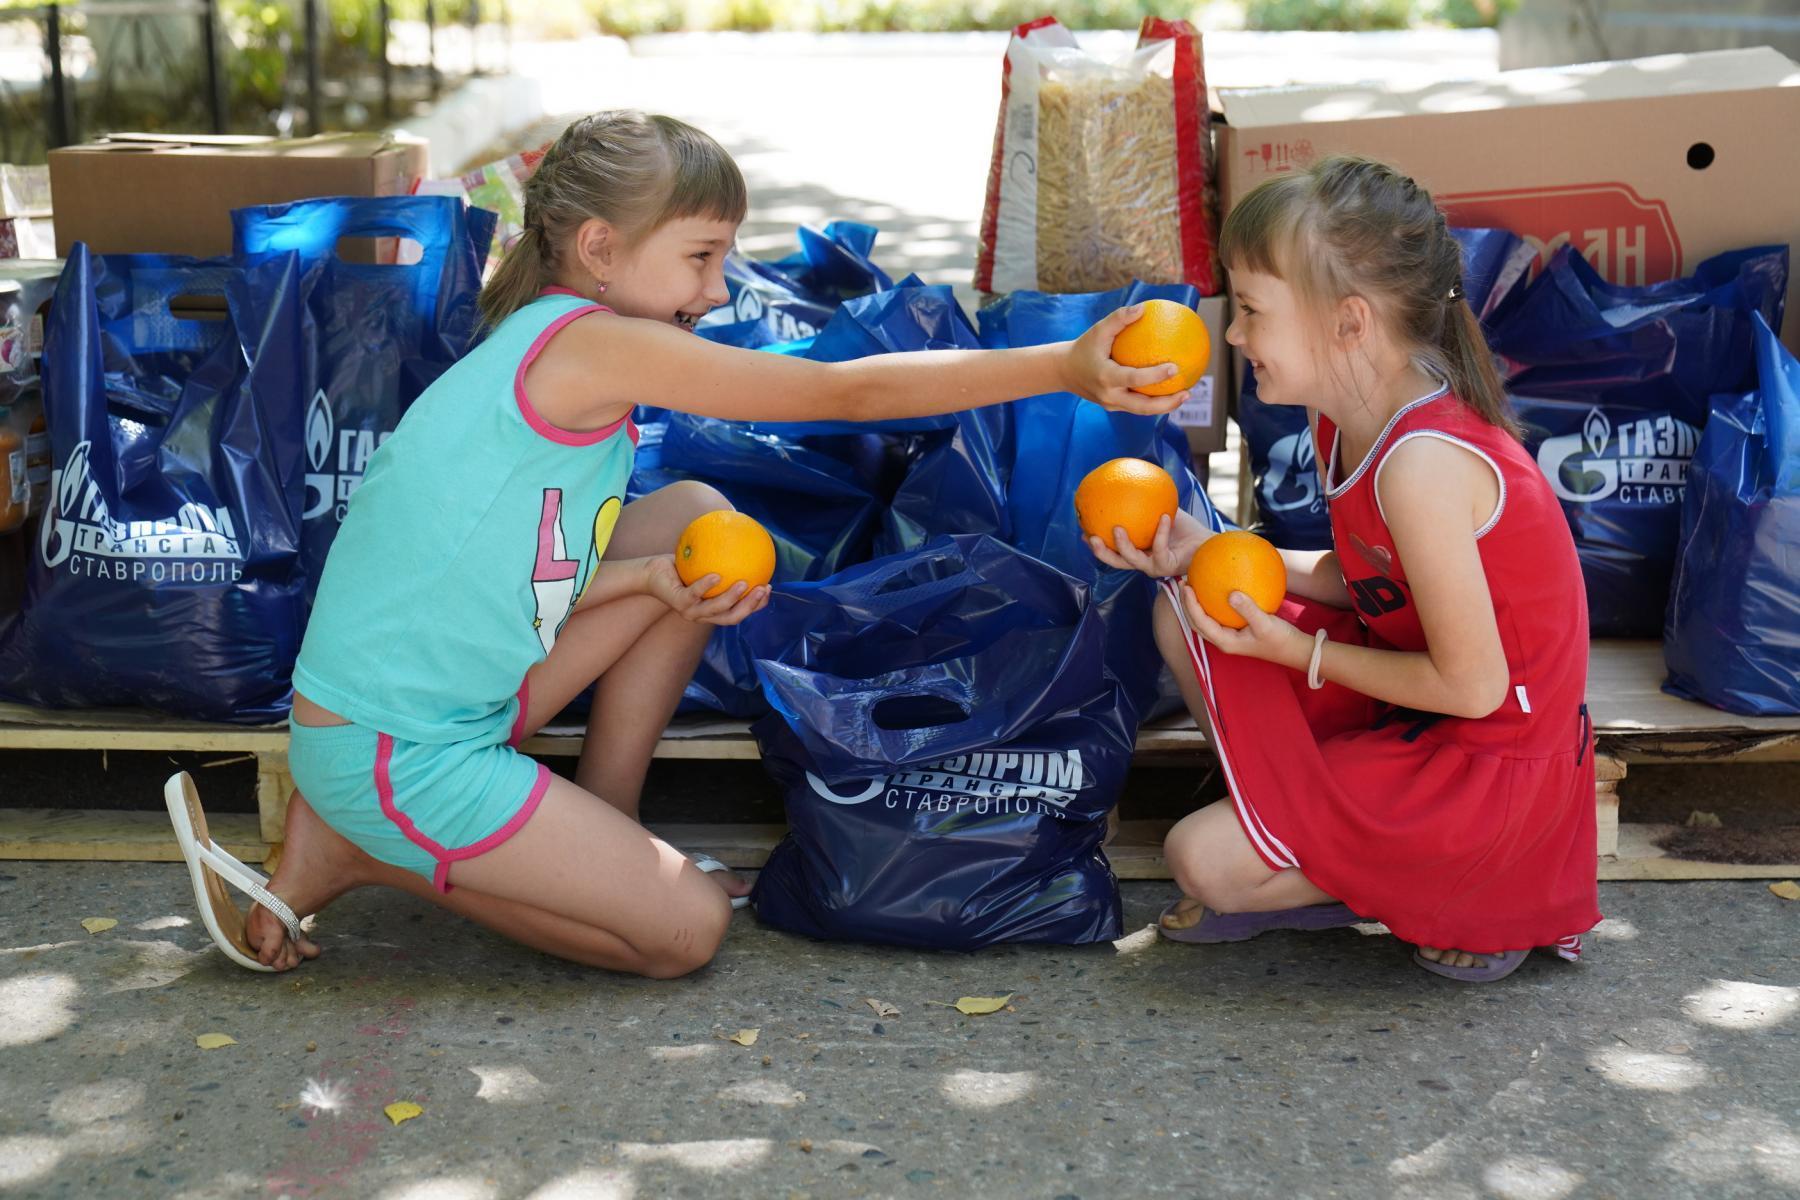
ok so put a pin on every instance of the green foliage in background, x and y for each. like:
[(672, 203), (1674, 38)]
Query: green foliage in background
[(270, 26)]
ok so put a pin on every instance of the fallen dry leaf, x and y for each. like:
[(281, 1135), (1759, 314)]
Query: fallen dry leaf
[(213, 1041), (403, 1110), (882, 1007), (745, 1037), (976, 1006), (97, 924), (1787, 889)]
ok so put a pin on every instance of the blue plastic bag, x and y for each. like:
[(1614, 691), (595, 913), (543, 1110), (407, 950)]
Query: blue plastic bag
[(949, 744), (384, 332), (1732, 638), (795, 297), (1026, 459), (821, 488), (167, 572), (819, 496), (1612, 385), (1290, 501)]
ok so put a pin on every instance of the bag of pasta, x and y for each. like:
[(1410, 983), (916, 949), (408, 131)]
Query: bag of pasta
[(1102, 171)]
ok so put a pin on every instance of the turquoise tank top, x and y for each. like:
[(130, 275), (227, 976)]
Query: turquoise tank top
[(476, 529)]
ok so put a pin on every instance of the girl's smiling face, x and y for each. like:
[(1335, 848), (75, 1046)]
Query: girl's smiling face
[(1268, 327), (676, 275)]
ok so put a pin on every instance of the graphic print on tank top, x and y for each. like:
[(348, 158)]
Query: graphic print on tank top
[(1378, 594), (558, 582)]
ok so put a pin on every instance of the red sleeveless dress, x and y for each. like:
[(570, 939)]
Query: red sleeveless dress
[(1473, 834)]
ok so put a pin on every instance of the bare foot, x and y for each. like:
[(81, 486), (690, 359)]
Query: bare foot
[(317, 866), (1185, 915), (1452, 958)]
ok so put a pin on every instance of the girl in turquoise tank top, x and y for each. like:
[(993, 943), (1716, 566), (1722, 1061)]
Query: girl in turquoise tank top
[(488, 570)]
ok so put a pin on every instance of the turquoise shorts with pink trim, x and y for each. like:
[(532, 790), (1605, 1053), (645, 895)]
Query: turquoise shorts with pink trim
[(416, 805)]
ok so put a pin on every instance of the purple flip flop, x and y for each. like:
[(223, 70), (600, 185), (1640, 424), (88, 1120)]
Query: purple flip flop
[(1237, 927), (1497, 966)]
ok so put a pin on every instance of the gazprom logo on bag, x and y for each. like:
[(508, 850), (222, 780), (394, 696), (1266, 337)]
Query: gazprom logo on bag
[(749, 305), (1292, 480), (195, 545), (1642, 461), (338, 460), (988, 783)]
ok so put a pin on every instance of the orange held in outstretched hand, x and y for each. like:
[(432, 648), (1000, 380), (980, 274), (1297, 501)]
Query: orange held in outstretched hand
[(1126, 493), (727, 544), (1235, 561), (1167, 333)]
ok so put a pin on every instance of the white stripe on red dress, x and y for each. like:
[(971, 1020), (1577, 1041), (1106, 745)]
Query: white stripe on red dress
[(1267, 844)]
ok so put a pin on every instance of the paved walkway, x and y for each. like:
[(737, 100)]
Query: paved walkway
[(1296, 1065)]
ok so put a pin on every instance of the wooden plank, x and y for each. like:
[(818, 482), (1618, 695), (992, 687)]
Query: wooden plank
[(1719, 746), (121, 737), (273, 787), (100, 835), (738, 746), (1641, 858), (1606, 821), (1637, 721), (1625, 695)]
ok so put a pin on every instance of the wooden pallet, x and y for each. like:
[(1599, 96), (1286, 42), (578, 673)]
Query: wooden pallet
[(1634, 721)]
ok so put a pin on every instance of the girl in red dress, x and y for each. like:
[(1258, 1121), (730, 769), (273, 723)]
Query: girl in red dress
[(1405, 740)]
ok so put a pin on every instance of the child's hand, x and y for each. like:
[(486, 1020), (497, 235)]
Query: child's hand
[(729, 607), (1170, 553), (1093, 373), (1266, 636)]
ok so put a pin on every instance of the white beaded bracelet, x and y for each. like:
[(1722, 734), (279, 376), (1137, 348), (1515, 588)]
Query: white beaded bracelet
[(1318, 656)]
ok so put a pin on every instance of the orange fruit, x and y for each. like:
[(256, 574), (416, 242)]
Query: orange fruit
[(1126, 493), (1235, 561), (1167, 332), (727, 544)]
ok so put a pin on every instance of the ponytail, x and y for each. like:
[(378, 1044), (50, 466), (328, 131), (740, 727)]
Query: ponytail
[(1468, 366), (516, 281)]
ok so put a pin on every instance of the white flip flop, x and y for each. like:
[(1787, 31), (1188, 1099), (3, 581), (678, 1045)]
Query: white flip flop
[(708, 865), (210, 869)]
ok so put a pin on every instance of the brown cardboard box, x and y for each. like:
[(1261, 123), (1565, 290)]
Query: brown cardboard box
[(139, 193), (1647, 166), (1203, 416)]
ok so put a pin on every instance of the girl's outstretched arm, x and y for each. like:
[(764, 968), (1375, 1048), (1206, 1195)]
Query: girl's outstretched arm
[(596, 370), (1434, 496)]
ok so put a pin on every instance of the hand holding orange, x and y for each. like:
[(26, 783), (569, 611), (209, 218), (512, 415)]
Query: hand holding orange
[(1126, 493), (727, 544), (1167, 332), (1236, 561)]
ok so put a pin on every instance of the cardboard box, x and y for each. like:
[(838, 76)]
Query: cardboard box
[(1647, 166), (139, 193), (1203, 416)]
